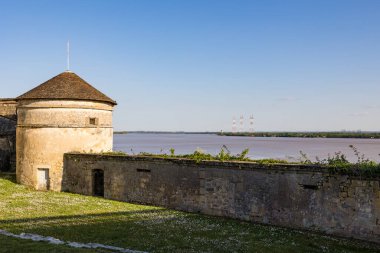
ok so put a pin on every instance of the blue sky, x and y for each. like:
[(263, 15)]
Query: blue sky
[(194, 65)]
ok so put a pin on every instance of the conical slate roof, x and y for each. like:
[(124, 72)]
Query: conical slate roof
[(66, 85)]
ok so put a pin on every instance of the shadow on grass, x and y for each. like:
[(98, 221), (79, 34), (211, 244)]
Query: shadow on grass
[(162, 230), (125, 229), (99, 216)]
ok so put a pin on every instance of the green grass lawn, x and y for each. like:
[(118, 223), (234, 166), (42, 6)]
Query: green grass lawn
[(71, 217)]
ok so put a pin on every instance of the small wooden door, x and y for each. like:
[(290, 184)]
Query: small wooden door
[(98, 183), (43, 180)]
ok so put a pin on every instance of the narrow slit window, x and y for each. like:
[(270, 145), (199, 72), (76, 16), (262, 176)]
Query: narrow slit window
[(93, 121)]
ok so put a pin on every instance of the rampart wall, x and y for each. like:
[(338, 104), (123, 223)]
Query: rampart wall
[(8, 108), (7, 134), (295, 196)]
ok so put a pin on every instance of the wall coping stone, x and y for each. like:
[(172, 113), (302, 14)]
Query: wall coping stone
[(8, 100), (233, 165)]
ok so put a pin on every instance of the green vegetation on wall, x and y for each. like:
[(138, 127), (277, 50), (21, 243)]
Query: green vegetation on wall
[(337, 163)]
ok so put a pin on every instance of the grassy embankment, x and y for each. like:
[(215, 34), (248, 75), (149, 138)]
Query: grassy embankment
[(361, 135), (71, 217)]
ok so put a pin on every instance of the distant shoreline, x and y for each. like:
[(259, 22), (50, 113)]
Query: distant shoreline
[(162, 132), (354, 135)]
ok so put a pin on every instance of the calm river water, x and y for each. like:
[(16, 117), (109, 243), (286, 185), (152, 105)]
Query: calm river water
[(260, 147)]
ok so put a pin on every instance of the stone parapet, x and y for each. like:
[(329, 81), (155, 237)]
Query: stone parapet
[(8, 108)]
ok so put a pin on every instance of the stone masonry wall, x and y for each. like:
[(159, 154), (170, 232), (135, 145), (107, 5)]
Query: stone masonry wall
[(295, 196), (7, 134), (8, 108)]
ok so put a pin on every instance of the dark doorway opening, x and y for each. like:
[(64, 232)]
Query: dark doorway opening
[(98, 183)]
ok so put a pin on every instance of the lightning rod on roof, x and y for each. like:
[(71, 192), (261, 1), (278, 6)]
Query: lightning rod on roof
[(68, 55)]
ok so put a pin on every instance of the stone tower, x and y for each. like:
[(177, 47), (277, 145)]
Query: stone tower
[(64, 114)]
